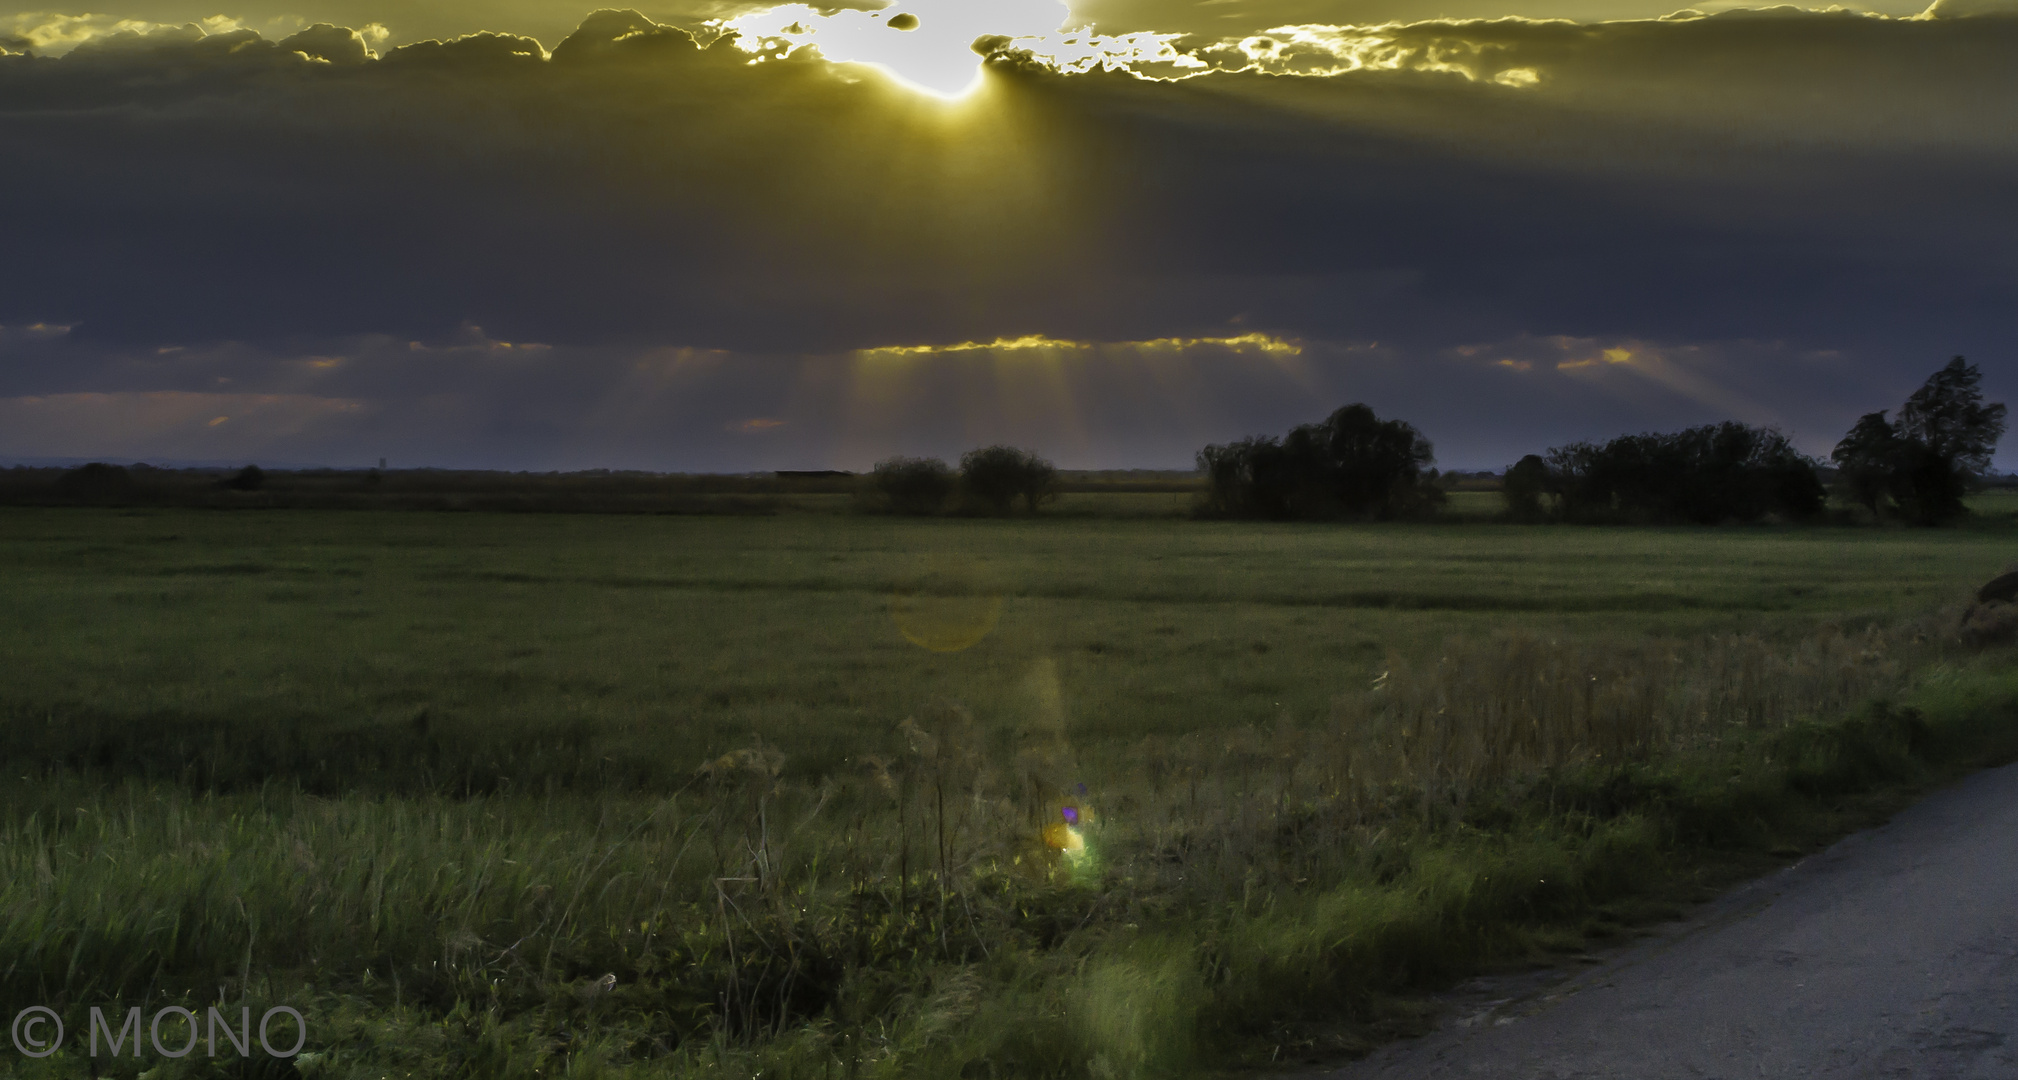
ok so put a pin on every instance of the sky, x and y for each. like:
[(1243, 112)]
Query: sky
[(724, 236)]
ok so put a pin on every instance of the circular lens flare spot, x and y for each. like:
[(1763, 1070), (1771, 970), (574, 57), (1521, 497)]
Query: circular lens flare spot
[(1064, 838), (950, 605)]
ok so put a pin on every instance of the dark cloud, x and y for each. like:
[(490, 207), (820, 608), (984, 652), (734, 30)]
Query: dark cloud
[(1718, 196)]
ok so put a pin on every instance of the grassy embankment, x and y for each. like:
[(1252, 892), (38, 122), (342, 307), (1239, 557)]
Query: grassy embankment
[(431, 778)]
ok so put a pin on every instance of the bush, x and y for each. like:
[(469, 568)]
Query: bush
[(250, 478), (996, 476), (913, 485)]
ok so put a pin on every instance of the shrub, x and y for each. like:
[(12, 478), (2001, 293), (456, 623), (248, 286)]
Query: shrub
[(250, 478), (997, 476), (913, 485)]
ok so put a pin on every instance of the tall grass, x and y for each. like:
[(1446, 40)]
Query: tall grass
[(904, 914), (1490, 712)]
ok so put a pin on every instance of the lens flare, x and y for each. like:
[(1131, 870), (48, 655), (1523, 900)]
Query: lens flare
[(1068, 838), (950, 604)]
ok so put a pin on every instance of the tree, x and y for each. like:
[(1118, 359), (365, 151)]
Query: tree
[(1353, 464), (1243, 479), (998, 475), (1921, 465), (1948, 416), (1705, 475), (913, 485), (1950, 435), (1867, 460), (1526, 482), (1377, 465)]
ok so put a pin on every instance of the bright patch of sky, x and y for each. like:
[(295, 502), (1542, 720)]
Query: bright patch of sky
[(935, 45)]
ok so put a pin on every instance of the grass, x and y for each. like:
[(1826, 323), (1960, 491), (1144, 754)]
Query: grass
[(606, 635), (432, 778)]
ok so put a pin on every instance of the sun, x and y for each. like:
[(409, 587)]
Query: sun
[(925, 45)]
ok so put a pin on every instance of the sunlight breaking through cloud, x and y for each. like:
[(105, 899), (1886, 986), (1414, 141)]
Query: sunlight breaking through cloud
[(53, 34), (937, 46), (924, 44), (1680, 370), (645, 245), (1254, 342)]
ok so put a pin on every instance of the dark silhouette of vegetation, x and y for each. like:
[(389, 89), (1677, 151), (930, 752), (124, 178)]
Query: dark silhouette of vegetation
[(1993, 617), (97, 484), (249, 478), (1919, 467), (1704, 475), (1353, 465), (913, 485), (597, 491), (1247, 478), (996, 476), (1865, 462), (1525, 484)]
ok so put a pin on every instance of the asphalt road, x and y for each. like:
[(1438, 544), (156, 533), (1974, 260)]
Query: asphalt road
[(1893, 953)]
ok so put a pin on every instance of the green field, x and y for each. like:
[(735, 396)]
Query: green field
[(658, 641), (436, 774)]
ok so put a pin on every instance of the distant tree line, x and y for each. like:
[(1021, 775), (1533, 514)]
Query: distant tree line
[(1354, 465), (100, 484), (255, 487), (1916, 468)]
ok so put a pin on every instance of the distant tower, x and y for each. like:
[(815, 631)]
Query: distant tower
[(381, 464)]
